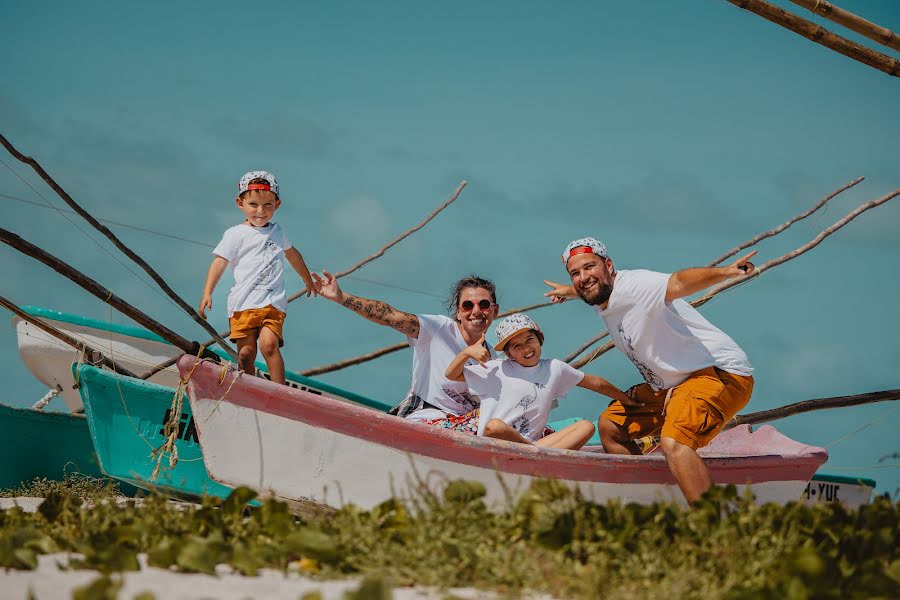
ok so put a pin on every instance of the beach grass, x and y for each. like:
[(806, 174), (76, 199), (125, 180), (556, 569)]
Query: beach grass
[(550, 540)]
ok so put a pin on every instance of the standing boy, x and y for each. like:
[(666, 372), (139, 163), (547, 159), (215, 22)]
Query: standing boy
[(256, 250)]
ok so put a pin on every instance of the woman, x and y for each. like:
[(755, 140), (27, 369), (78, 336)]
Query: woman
[(435, 340)]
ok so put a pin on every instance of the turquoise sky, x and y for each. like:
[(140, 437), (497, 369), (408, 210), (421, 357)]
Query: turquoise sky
[(670, 130)]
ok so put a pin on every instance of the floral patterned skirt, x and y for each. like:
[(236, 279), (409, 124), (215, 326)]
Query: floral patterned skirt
[(467, 423)]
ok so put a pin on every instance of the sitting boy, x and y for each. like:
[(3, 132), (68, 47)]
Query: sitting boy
[(256, 250), (517, 393)]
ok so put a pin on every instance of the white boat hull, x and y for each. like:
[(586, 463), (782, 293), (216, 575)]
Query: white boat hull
[(298, 447)]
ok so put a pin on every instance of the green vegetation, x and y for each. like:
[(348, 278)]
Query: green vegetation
[(550, 540)]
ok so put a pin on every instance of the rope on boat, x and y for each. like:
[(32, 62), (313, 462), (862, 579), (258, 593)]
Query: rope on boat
[(222, 375), (170, 430), (53, 393)]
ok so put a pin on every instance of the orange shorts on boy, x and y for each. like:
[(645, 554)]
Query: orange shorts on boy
[(245, 322)]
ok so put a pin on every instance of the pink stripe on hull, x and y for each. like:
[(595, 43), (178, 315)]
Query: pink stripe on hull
[(786, 460)]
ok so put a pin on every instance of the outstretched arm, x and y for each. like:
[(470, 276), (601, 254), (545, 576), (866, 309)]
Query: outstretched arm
[(296, 259), (373, 310), (477, 351), (688, 282), (560, 292), (216, 268), (602, 386)]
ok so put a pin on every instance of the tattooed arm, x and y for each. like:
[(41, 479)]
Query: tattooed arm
[(373, 310)]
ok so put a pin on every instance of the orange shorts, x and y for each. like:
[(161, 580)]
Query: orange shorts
[(248, 322), (698, 408)]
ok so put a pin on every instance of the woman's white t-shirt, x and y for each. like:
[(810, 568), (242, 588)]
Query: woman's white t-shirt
[(666, 342), (438, 344), (256, 255), (520, 396)]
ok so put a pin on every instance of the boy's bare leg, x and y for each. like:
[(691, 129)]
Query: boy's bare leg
[(572, 437), (498, 429), (246, 347), (268, 346), (615, 438), (689, 470)]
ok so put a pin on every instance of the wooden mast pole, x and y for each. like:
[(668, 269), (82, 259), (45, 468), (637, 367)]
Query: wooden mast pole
[(102, 293), (118, 243), (821, 36), (871, 30)]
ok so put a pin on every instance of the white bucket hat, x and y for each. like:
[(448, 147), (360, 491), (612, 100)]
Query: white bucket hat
[(514, 324)]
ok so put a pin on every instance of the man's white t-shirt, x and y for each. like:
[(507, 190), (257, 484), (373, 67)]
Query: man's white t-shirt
[(666, 342), (520, 396), (256, 255), (438, 344)]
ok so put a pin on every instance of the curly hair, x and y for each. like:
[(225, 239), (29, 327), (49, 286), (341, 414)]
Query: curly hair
[(472, 281)]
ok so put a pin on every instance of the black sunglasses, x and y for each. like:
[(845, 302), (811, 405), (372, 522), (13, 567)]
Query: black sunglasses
[(468, 305)]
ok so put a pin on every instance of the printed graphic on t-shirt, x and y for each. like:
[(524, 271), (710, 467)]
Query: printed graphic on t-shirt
[(266, 275), (522, 424), (649, 376), (463, 398)]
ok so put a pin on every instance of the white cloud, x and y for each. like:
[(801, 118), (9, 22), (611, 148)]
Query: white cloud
[(362, 221)]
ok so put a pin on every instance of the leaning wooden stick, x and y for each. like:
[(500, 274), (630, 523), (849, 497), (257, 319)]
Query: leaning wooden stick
[(356, 360), (118, 243), (871, 30), (765, 266), (744, 245), (821, 36), (773, 232), (87, 351), (801, 250), (100, 292), (380, 252), (810, 405)]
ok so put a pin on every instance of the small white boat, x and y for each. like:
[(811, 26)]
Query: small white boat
[(302, 447)]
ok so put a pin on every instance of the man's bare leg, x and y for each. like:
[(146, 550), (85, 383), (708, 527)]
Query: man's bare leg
[(571, 437), (689, 470), (615, 438), (498, 429)]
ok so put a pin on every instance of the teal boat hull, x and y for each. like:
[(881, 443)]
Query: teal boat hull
[(126, 417), (46, 445)]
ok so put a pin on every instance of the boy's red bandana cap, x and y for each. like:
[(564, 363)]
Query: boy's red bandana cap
[(245, 185), (584, 246)]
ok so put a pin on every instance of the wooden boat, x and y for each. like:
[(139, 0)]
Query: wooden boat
[(301, 447)]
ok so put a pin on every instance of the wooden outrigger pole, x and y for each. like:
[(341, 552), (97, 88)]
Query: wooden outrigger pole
[(103, 294), (810, 405), (118, 243), (821, 36), (94, 356)]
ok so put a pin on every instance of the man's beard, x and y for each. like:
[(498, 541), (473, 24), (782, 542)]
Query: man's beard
[(604, 291)]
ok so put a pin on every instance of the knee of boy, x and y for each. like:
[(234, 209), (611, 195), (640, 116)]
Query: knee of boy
[(493, 427), (587, 426)]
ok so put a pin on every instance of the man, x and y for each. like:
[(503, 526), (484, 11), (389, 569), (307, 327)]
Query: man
[(696, 377)]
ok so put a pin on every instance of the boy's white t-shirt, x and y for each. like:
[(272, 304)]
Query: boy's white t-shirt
[(256, 255), (520, 396), (666, 342), (438, 344)]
